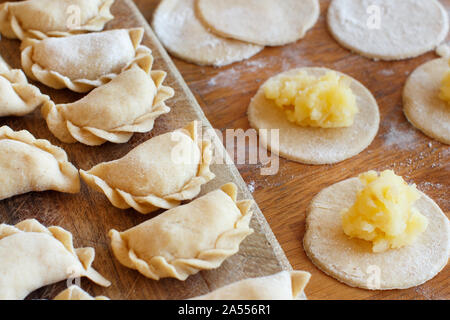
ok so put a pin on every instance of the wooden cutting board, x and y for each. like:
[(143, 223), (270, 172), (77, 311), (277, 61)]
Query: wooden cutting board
[(224, 94), (89, 215)]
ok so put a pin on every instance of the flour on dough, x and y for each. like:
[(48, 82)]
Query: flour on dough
[(421, 103), (263, 22), (315, 145), (386, 29), (352, 261), (183, 35)]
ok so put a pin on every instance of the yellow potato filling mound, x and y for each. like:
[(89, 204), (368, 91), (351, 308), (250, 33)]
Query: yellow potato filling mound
[(325, 102), (445, 87), (383, 212)]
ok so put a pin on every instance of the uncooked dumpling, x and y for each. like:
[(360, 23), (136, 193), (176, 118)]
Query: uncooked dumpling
[(127, 104), (76, 293), (159, 173), (184, 36), (182, 241), (262, 22), (17, 96), (33, 256), (285, 285), (37, 18), (27, 164), (85, 61)]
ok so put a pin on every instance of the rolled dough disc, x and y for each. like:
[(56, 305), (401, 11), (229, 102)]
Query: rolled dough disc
[(178, 28), (421, 103), (315, 145), (263, 22), (407, 28), (352, 261)]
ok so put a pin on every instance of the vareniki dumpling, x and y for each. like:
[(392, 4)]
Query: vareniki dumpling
[(28, 164), (37, 18), (33, 256), (84, 61), (285, 285), (128, 103), (182, 241), (76, 293), (159, 173), (17, 96)]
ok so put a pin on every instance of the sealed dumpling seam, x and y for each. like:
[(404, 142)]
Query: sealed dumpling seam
[(129, 103), (72, 262), (58, 53), (66, 180), (145, 204), (18, 97), (16, 17), (225, 245)]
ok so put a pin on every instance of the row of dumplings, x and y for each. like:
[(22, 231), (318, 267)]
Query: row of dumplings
[(124, 95)]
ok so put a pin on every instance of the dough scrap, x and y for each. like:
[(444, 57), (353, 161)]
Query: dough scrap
[(129, 103), (262, 22), (178, 28), (159, 173), (84, 61), (315, 145), (17, 96), (38, 18), (33, 256), (421, 103), (386, 29), (182, 241), (352, 261), (76, 293), (29, 164), (285, 285)]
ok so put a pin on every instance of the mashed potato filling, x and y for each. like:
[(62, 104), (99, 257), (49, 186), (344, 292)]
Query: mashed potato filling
[(445, 87), (383, 212), (325, 102)]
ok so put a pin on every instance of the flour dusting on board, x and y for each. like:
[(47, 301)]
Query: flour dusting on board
[(401, 136)]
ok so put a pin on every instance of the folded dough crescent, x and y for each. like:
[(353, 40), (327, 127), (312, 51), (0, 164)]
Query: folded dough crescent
[(37, 18), (285, 285), (29, 164), (17, 96), (33, 256), (182, 241), (128, 103), (159, 173), (76, 293), (84, 61)]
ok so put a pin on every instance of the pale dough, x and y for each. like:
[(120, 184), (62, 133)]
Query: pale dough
[(421, 103), (263, 22), (180, 31), (386, 29), (285, 285), (315, 145), (352, 261)]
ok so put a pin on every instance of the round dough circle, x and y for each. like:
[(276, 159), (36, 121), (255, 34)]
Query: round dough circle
[(178, 28), (421, 103), (407, 28), (352, 261), (316, 145), (263, 22)]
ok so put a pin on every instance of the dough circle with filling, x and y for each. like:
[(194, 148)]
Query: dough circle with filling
[(386, 29), (263, 22), (185, 37), (315, 145), (421, 103), (352, 261)]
